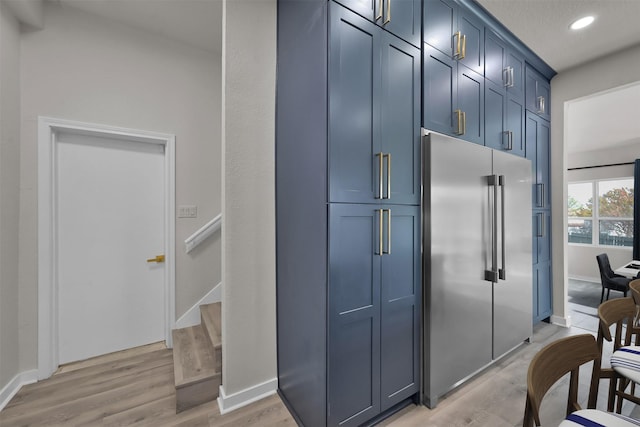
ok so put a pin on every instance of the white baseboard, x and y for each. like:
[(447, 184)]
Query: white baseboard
[(192, 316), (561, 321), (244, 397), (10, 390)]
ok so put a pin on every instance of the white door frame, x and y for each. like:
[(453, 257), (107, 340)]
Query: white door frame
[(48, 128)]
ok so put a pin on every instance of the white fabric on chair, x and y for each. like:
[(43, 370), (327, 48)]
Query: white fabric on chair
[(595, 418), (626, 362)]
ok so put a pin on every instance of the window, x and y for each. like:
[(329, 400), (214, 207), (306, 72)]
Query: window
[(610, 218)]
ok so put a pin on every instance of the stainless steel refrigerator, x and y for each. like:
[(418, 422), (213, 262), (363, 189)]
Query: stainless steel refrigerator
[(477, 231)]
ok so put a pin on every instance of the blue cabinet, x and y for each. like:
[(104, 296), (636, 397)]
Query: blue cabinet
[(374, 113), (348, 187), (504, 96), (454, 31), (453, 97), (399, 17), (538, 136), (537, 150), (538, 93), (374, 301)]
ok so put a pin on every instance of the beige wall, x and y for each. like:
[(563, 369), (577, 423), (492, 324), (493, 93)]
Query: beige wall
[(81, 67), (248, 260), (9, 194), (606, 73)]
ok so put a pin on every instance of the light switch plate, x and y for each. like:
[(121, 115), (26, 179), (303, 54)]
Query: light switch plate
[(187, 211)]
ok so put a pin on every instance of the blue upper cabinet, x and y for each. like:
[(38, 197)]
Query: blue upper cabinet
[(374, 113), (453, 97), (538, 94), (399, 17), (454, 31), (504, 73)]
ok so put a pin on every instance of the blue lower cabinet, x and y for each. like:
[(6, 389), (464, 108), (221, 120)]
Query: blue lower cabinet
[(374, 309), (542, 291)]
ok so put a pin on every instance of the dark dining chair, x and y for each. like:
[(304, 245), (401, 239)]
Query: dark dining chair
[(609, 279)]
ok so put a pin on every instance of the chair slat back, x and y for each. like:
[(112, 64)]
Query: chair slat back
[(553, 362)]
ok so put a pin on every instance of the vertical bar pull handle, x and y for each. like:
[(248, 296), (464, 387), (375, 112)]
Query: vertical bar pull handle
[(388, 156), (541, 104), (502, 273), (388, 251), (541, 227), (505, 77), (540, 194), (386, 21), (458, 130), (380, 157), (464, 123), (381, 231), (509, 140), (379, 15), (512, 80), (457, 37), (464, 47), (492, 275)]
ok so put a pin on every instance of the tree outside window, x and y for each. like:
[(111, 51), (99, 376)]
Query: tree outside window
[(610, 218)]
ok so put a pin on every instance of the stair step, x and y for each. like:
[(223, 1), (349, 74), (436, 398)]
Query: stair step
[(196, 379), (211, 318)]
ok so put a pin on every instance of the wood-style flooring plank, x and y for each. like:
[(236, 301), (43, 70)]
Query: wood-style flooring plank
[(138, 391)]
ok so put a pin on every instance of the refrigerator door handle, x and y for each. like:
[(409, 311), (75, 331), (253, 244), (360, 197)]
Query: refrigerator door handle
[(502, 273), (492, 275)]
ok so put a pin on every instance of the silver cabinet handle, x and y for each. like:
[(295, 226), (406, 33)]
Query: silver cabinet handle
[(502, 272), (508, 76), (541, 105), (457, 53), (540, 194), (379, 15), (541, 226), (509, 136)]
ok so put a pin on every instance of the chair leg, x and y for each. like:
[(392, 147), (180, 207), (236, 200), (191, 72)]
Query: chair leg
[(612, 393), (608, 292), (602, 295)]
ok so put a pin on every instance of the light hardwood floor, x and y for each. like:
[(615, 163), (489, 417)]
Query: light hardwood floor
[(135, 388)]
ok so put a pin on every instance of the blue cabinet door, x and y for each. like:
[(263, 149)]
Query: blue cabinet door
[(514, 124), (354, 313), (494, 116), (542, 302), (400, 307), (354, 116), (537, 93), (471, 103), (440, 23), (537, 138), (402, 18), (365, 8), (400, 121), (542, 237), (473, 47), (495, 52), (440, 89)]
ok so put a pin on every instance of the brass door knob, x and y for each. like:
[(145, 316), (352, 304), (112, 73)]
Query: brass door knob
[(158, 258)]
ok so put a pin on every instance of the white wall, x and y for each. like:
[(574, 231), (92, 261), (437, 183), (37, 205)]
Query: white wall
[(248, 235), (9, 195), (615, 70), (81, 67)]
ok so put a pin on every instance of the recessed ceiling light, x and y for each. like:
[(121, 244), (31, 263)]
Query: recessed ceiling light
[(582, 22)]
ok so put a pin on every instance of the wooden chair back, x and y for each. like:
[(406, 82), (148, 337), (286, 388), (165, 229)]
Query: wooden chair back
[(553, 362), (634, 287)]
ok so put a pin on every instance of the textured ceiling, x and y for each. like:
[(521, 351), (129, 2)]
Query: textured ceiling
[(543, 25)]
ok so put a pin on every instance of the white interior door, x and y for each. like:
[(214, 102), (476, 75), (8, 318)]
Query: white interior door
[(109, 220)]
